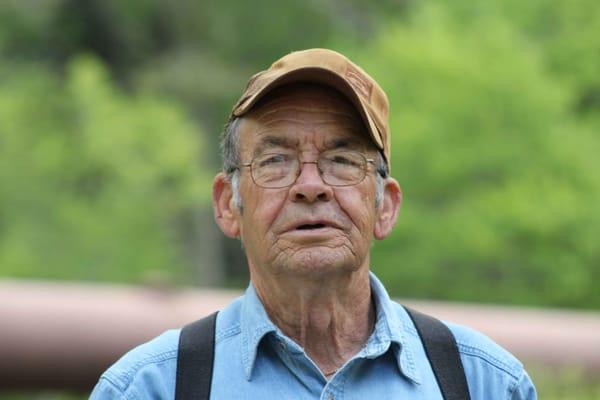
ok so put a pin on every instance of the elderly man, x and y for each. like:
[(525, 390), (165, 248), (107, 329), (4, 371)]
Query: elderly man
[(306, 187)]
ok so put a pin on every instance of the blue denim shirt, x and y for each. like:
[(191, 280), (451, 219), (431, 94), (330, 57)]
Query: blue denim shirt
[(255, 360)]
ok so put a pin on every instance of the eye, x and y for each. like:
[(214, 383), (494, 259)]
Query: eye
[(345, 159), (269, 160)]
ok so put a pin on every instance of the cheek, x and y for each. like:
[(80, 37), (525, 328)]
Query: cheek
[(359, 206), (261, 208)]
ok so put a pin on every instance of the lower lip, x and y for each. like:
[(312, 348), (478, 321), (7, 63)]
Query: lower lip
[(313, 233)]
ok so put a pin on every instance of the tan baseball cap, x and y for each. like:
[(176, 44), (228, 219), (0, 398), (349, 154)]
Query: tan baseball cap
[(329, 68)]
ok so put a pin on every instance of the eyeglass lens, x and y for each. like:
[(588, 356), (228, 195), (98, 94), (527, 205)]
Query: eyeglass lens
[(337, 168)]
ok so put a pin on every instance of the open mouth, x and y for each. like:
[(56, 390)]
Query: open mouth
[(306, 227)]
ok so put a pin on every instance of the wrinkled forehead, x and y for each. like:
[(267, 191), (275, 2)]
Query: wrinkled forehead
[(294, 110)]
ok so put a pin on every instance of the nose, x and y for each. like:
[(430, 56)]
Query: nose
[(309, 186)]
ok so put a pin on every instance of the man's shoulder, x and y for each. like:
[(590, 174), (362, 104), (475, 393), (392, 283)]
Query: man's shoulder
[(478, 352), (473, 344), (477, 347), (489, 368), (153, 365), (160, 350)]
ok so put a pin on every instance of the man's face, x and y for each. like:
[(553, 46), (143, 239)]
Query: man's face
[(310, 227)]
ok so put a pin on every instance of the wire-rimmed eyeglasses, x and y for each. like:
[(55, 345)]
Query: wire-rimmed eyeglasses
[(336, 168)]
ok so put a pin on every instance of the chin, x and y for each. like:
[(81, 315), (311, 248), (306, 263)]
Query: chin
[(318, 261)]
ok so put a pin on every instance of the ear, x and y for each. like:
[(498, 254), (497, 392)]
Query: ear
[(388, 209), (226, 214)]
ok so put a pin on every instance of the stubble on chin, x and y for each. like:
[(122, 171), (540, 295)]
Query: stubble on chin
[(315, 260)]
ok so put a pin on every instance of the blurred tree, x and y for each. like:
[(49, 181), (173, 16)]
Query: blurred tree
[(92, 182), (568, 37), (199, 52), (500, 181), (495, 109)]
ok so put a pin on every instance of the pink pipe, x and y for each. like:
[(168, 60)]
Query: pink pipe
[(58, 335)]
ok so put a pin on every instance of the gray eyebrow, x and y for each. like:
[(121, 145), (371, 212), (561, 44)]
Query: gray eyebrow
[(272, 141), (268, 142), (345, 142)]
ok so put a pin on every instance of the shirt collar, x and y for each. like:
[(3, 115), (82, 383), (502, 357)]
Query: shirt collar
[(391, 327), (390, 330), (255, 324)]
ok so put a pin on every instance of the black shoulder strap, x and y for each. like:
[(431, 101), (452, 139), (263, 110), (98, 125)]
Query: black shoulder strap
[(195, 359), (442, 352)]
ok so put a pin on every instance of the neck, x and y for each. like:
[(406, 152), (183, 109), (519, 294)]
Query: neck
[(331, 317)]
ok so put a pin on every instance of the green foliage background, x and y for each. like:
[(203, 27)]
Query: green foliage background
[(90, 178), (110, 114), (500, 175)]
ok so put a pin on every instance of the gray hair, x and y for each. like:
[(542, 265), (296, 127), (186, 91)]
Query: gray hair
[(230, 150)]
